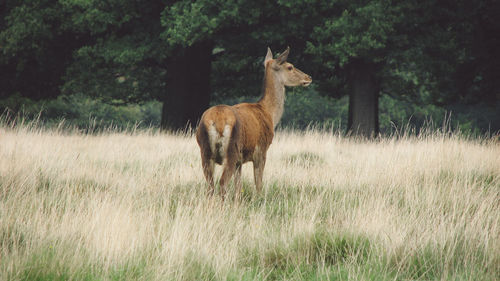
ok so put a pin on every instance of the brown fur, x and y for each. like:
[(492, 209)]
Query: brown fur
[(251, 126)]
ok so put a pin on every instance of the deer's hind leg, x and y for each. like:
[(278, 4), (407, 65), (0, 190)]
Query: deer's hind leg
[(208, 170), (230, 168), (237, 182)]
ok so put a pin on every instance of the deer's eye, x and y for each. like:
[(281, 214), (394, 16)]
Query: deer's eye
[(290, 68)]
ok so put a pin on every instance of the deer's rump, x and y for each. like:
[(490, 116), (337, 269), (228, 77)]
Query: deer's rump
[(234, 131)]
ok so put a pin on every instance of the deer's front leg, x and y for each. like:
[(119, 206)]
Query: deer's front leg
[(258, 171)]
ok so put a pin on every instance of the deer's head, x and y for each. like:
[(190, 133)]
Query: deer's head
[(285, 71)]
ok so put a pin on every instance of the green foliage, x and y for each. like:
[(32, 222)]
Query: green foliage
[(188, 22), (400, 115), (361, 30), (427, 54), (111, 70), (96, 16), (396, 114), (33, 49), (326, 255), (82, 112), (45, 265), (425, 51), (28, 26), (135, 270), (307, 108), (313, 256), (197, 268), (304, 108), (429, 263), (124, 60)]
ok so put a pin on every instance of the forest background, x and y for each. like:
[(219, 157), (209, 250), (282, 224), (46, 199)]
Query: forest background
[(377, 66)]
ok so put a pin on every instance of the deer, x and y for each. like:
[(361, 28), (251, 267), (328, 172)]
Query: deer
[(233, 135)]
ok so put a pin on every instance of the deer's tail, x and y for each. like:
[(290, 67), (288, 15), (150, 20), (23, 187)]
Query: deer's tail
[(218, 124)]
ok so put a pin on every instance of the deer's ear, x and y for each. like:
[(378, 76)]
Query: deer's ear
[(269, 56), (282, 58)]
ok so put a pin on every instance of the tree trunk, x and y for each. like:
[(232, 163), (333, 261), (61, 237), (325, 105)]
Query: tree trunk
[(188, 87), (363, 99)]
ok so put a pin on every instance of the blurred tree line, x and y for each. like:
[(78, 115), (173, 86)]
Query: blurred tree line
[(377, 64)]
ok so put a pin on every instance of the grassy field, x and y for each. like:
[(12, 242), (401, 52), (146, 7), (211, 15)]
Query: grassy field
[(132, 206)]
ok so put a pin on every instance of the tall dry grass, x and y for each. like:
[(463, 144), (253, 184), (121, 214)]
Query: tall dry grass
[(132, 206)]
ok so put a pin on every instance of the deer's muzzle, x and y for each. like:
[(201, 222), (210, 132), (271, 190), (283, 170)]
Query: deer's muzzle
[(306, 82)]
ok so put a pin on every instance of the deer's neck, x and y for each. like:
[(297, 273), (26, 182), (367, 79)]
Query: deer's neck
[(273, 96)]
